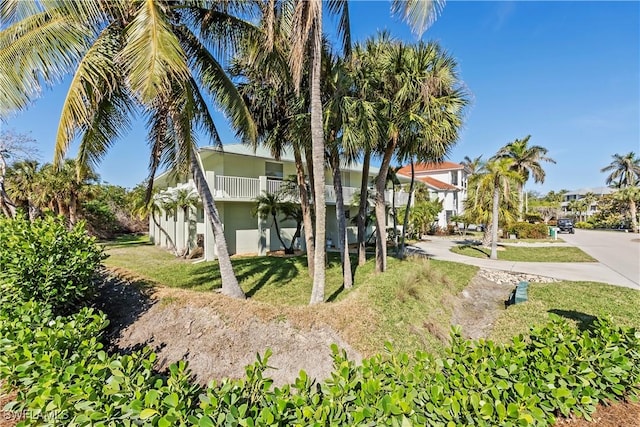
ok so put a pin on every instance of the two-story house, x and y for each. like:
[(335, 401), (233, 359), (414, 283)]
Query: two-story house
[(594, 194), (447, 181), (236, 176)]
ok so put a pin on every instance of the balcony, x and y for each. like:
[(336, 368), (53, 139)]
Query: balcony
[(237, 188)]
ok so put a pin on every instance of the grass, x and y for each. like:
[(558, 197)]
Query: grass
[(579, 302), (409, 305), (516, 241), (528, 254)]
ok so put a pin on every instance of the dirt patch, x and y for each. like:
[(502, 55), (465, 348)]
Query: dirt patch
[(8, 418), (218, 335), (478, 306), (619, 414)]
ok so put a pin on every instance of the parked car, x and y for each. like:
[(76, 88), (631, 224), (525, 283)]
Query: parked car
[(565, 225)]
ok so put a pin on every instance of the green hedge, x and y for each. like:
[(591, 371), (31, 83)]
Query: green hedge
[(61, 372), (44, 261), (585, 225), (525, 230)]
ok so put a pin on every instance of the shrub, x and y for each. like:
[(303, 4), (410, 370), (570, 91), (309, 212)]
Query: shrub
[(44, 261), (525, 230), (585, 225)]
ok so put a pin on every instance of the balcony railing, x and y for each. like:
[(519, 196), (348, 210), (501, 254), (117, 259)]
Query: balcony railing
[(246, 189)]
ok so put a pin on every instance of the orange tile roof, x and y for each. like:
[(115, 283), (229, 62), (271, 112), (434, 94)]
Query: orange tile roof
[(430, 167), (436, 183)]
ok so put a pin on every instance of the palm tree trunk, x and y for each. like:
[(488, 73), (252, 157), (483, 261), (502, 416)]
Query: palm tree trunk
[(172, 245), (343, 242), (634, 215), (317, 149), (230, 284), (306, 208), (407, 211), (494, 221), (362, 209), (394, 215), (275, 223), (73, 209), (381, 232), (521, 202), (8, 208)]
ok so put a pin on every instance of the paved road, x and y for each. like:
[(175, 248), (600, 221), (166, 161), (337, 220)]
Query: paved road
[(621, 272), (617, 250)]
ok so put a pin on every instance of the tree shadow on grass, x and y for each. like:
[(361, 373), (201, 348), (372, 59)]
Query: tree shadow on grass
[(584, 321)]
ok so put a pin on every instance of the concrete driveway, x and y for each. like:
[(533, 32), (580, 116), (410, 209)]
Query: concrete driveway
[(614, 269), (616, 250)]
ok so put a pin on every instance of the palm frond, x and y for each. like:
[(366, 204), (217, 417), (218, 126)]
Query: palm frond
[(152, 56), (419, 14), (95, 79), (39, 49)]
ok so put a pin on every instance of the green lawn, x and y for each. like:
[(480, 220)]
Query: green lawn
[(403, 305), (529, 254), (410, 305), (579, 302)]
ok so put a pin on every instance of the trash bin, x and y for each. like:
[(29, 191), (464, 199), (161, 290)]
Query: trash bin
[(553, 233)]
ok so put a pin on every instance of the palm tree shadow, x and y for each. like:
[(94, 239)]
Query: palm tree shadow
[(584, 321), (270, 269)]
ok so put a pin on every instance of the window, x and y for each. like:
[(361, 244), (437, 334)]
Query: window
[(200, 214), (273, 170), (454, 177)]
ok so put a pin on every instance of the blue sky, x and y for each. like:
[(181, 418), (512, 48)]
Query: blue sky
[(566, 73)]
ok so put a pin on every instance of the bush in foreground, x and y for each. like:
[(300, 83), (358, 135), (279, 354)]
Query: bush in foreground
[(44, 261), (61, 372)]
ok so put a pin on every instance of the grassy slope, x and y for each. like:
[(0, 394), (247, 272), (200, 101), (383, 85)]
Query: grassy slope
[(528, 254), (409, 305), (579, 302)]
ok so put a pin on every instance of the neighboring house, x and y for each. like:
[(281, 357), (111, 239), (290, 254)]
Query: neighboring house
[(571, 196), (236, 176), (447, 181)]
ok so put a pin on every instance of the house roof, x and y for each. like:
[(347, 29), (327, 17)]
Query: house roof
[(594, 190), (430, 167), (437, 184), (287, 156)]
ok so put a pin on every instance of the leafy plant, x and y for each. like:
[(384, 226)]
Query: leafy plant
[(44, 261)]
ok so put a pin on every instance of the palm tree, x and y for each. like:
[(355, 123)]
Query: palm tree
[(23, 186), (281, 116), (109, 46), (625, 170), (625, 174), (474, 165), (306, 33), (421, 104), (498, 178), (631, 196), (269, 205), (526, 161)]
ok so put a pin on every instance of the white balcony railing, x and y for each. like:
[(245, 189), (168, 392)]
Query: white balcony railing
[(273, 185), (237, 187)]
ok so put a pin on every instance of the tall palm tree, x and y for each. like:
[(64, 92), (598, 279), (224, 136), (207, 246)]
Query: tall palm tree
[(625, 170), (625, 173), (526, 161), (306, 33), (421, 105), (496, 180), (108, 46), (630, 195), (281, 116)]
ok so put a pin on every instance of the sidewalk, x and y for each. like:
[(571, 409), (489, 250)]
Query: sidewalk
[(439, 248)]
